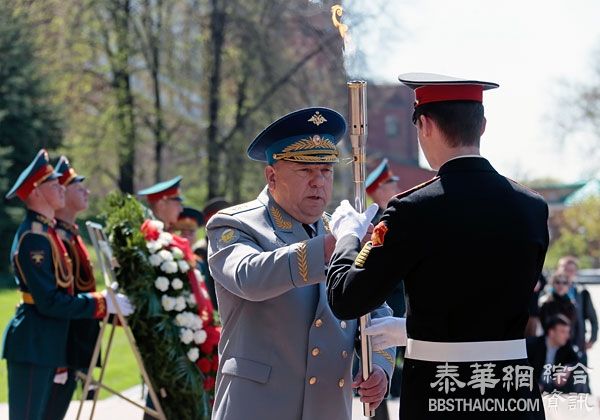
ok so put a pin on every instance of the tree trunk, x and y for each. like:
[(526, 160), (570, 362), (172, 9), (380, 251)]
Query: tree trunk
[(217, 38), (124, 96)]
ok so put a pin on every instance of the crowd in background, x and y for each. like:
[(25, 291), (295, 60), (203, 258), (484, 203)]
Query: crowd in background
[(562, 327)]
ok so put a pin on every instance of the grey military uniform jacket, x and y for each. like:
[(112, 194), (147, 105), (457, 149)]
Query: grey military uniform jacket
[(283, 354)]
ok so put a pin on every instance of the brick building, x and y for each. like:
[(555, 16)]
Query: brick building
[(392, 134)]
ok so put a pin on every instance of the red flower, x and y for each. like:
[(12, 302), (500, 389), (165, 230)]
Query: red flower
[(209, 383), (213, 335), (207, 347), (150, 230), (204, 365), (215, 363)]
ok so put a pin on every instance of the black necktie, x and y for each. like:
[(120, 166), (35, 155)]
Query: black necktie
[(309, 230)]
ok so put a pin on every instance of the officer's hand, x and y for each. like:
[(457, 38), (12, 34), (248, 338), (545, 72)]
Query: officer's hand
[(387, 332), (345, 220), (126, 307), (372, 390)]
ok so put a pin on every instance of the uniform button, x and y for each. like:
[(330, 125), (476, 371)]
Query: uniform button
[(318, 323), (343, 324), (341, 383), (344, 354), (312, 380), (315, 351)]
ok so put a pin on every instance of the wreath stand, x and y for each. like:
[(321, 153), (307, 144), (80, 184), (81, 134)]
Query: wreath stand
[(107, 264)]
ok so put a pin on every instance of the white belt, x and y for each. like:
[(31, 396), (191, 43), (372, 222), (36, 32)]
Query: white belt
[(476, 351)]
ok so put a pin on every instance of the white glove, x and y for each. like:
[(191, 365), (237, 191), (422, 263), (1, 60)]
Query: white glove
[(347, 221), (126, 307), (387, 332), (61, 377)]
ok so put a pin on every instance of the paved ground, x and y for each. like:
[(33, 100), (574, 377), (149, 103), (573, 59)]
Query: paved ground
[(556, 408)]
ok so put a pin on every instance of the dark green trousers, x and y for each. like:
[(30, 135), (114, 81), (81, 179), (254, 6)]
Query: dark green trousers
[(29, 388), (60, 398)]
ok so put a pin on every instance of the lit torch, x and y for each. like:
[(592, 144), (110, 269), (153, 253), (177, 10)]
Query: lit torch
[(357, 113)]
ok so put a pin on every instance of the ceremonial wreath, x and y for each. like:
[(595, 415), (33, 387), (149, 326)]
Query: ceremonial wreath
[(175, 327)]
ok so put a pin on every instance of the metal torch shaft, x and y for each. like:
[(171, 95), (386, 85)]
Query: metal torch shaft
[(357, 113)]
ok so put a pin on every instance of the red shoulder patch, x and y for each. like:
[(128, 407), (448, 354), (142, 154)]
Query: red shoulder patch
[(378, 235), (416, 187)]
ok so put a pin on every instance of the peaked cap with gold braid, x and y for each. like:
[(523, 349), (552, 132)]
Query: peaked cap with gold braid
[(308, 135)]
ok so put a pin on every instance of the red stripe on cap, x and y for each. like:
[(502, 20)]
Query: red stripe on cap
[(380, 180), (33, 181), (169, 193), (439, 93), (67, 177)]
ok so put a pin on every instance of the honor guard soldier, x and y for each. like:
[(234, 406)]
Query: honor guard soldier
[(469, 246), (82, 332), (381, 185), (283, 354), (35, 341)]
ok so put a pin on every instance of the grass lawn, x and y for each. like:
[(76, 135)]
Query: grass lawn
[(121, 373)]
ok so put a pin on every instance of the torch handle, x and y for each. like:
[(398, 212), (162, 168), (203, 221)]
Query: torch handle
[(357, 114)]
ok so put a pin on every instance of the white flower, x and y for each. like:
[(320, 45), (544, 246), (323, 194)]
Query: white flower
[(165, 237), (183, 266), (186, 335), (180, 304), (180, 320), (155, 260), (168, 303), (153, 246), (177, 253), (165, 255), (196, 322), (193, 354), (161, 283), (157, 224), (199, 336), (169, 267), (176, 284), (191, 299)]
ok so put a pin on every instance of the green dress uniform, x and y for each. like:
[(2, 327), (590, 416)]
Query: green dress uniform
[(35, 340), (82, 332)]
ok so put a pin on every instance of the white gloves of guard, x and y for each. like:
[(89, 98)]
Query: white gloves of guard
[(347, 221), (387, 332), (126, 307)]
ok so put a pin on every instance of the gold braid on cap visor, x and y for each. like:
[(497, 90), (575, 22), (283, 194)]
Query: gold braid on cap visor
[(305, 151)]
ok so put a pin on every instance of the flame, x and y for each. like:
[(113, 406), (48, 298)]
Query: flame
[(336, 12)]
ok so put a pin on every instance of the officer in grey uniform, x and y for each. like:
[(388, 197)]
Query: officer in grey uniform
[(283, 354)]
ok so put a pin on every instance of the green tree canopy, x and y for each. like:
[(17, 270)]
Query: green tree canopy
[(579, 234), (28, 120)]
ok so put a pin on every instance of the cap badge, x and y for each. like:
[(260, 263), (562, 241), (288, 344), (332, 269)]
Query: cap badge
[(317, 119)]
